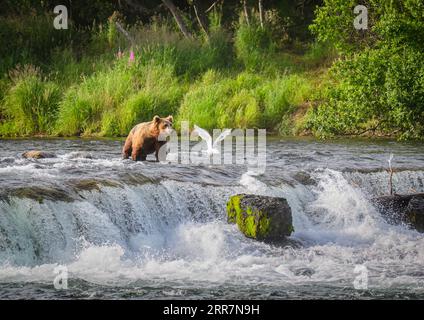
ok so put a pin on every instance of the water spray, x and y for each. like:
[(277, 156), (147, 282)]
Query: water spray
[(390, 170)]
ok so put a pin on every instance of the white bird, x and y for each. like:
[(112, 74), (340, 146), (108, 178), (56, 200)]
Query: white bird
[(207, 137)]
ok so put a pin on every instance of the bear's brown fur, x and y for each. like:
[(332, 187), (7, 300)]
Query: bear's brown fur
[(146, 138)]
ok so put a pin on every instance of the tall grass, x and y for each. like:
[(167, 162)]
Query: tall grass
[(190, 57), (109, 103), (245, 101), (31, 103), (254, 45)]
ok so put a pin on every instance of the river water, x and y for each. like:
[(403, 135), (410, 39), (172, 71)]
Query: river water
[(149, 230)]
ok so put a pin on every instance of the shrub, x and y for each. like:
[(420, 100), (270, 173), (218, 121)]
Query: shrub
[(379, 87), (379, 92), (190, 57), (28, 39)]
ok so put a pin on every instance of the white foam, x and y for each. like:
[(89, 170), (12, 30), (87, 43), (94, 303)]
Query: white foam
[(175, 231)]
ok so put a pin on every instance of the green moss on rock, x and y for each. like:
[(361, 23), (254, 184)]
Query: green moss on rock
[(233, 208), (260, 217)]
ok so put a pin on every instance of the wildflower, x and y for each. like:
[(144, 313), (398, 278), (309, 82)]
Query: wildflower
[(132, 57)]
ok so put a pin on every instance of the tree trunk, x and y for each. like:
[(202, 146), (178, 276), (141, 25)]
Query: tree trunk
[(246, 14), (125, 33), (177, 17), (261, 13), (201, 17)]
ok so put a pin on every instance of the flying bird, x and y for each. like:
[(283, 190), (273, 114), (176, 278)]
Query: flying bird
[(207, 137)]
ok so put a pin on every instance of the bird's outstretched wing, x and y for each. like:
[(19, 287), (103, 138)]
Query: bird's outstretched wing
[(221, 137), (204, 135)]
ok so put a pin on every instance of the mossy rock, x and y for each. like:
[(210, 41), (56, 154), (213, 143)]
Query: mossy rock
[(91, 184), (262, 218), (39, 194), (37, 154)]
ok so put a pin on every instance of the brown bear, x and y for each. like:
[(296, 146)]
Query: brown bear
[(146, 138)]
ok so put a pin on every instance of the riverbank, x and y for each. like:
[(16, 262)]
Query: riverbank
[(250, 71)]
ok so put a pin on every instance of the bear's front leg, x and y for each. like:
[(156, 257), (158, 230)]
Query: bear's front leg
[(127, 150), (136, 153), (138, 156)]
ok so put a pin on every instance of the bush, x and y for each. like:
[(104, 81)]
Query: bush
[(379, 92), (379, 86), (152, 99), (200, 102), (190, 57), (282, 97)]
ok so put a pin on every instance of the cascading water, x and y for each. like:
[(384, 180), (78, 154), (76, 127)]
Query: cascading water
[(127, 229)]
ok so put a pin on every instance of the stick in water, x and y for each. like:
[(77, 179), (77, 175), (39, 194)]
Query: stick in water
[(391, 174)]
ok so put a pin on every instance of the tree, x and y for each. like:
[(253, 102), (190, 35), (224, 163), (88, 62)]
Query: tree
[(178, 19)]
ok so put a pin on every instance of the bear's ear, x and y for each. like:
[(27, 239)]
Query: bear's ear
[(156, 119), (170, 118)]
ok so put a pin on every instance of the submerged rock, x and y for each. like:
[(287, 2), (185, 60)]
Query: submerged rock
[(415, 212), (304, 178), (91, 184), (36, 154), (38, 194), (407, 209), (263, 218), (79, 154)]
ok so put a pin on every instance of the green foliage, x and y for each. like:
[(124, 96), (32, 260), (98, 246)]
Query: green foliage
[(395, 22), (378, 85), (281, 99), (379, 91), (254, 45), (111, 102), (83, 105), (29, 39), (242, 75), (245, 101), (190, 57), (31, 104), (152, 99)]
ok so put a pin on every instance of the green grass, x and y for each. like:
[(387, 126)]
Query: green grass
[(110, 102), (30, 104), (244, 101)]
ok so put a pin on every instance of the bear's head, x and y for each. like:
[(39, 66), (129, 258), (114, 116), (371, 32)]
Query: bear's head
[(163, 125)]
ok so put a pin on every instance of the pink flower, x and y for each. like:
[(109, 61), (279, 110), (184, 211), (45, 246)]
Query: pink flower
[(132, 57)]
